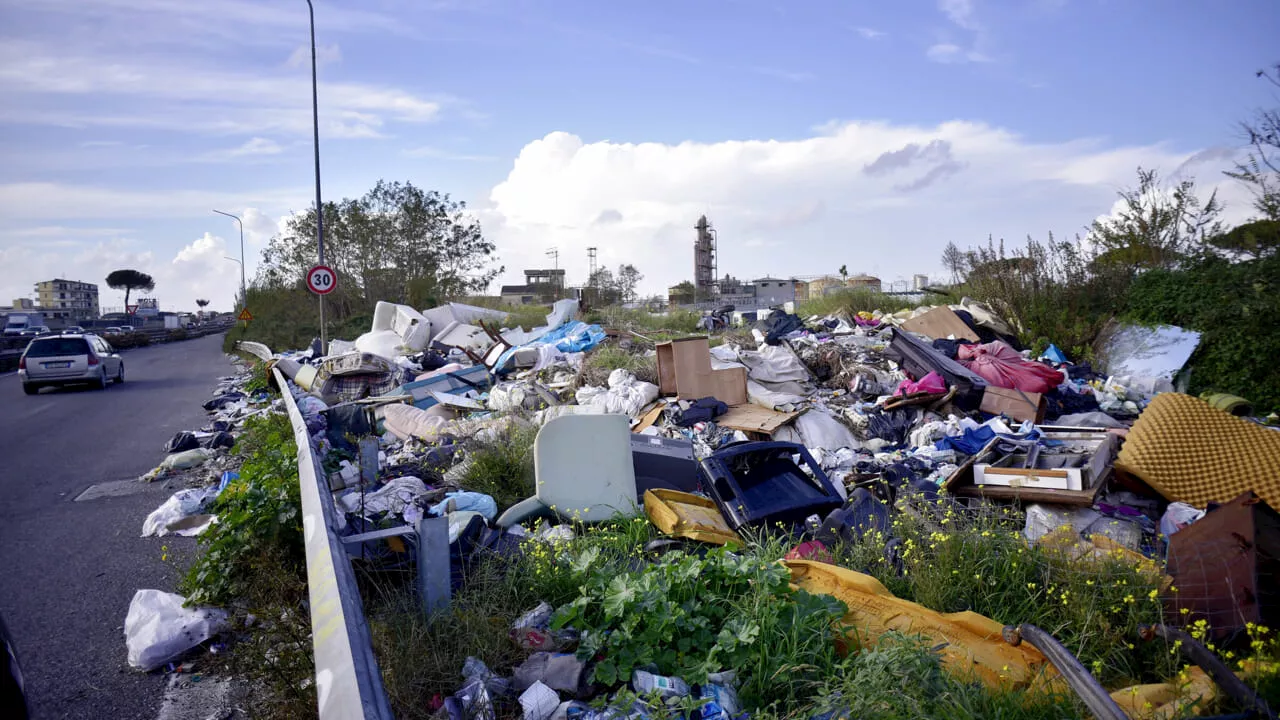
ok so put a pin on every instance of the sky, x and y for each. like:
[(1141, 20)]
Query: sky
[(812, 134)]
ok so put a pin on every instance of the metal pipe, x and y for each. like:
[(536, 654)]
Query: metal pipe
[(1095, 697), (1230, 683), (244, 295)]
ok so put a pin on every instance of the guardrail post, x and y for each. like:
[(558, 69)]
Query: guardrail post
[(434, 581)]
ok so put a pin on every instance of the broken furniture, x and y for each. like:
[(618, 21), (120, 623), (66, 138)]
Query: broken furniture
[(475, 377), (919, 359), (583, 471), (688, 516), (762, 483), (1063, 478), (684, 369), (1226, 566)]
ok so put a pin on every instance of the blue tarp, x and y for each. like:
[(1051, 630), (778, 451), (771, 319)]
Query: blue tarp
[(1054, 355), (576, 336)]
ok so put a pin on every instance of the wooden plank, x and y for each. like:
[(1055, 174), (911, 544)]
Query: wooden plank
[(752, 418), (649, 418)]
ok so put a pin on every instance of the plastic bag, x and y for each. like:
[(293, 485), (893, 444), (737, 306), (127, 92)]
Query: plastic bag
[(462, 500), (179, 505), (1002, 366), (931, 383), (179, 461), (158, 628), (181, 441), (625, 395), (1178, 516)]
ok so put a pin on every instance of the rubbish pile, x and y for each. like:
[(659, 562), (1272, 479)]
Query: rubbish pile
[(822, 430)]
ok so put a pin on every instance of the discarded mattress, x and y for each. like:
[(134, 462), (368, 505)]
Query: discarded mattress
[(971, 645), (1192, 453)]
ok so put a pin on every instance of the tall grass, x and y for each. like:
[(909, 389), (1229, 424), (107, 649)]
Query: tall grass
[(852, 302)]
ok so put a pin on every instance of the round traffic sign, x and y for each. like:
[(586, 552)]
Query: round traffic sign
[(321, 279)]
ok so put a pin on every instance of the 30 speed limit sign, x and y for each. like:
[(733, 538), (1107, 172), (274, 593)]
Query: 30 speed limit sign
[(321, 279)]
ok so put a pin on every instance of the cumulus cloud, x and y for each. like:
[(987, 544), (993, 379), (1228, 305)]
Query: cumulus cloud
[(878, 197)]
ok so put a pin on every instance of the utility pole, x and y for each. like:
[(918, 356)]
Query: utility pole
[(315, 119)]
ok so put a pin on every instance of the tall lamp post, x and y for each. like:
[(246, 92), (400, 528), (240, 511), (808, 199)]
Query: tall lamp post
[(244, 295), (315, 119)]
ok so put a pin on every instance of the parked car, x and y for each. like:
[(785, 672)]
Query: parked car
[(36, 330), (74, 330), (113, 330), (67, 360)]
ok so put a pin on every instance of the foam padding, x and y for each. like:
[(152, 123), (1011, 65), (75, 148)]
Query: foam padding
[(1194, 453)]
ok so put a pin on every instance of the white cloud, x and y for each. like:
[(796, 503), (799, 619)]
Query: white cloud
[(880, 198), (952, 53), (325, 55), (56, 201), (870, 33), (141, 92), (960, 12)]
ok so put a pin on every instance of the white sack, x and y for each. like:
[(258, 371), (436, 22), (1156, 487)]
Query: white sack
[(392, 498), (625, 395), (818, 429), (179, 505), (158, 628), (774, 364)]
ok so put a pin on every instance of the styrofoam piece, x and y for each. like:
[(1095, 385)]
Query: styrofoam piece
[(396, 330), (461, 335), (340, 347), (441, 316), (584, 468)]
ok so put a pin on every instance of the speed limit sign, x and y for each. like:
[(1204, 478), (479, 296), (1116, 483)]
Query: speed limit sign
[(321, 279)]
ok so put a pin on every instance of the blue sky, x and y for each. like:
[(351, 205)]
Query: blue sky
[(813, 134)]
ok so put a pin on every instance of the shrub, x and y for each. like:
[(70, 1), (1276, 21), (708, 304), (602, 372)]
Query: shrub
[(851, 302), (607, 358), (1236, 307)]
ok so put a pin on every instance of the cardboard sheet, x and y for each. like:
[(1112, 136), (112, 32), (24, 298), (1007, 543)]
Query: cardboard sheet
[(1019, 405), (940, 322), (684, 369), (754, 418)]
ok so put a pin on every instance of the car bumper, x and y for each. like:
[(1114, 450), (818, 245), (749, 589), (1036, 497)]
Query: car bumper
[(89, 375)]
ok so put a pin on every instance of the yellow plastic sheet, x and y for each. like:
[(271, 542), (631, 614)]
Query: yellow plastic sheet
[(688, 516), (972, 645)]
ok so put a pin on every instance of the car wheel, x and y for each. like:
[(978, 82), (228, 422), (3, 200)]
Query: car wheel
[(30, 388), (120, 374), (101, 382)]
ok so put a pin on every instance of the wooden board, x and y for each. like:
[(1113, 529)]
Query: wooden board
[(752, 418), (649, 418), (940, 322)]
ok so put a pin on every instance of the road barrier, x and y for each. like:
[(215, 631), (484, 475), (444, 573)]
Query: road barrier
[(348, 680)]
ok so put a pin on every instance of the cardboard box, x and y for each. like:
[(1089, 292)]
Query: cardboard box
[(940, 322), (1017, 404), (684, 369)]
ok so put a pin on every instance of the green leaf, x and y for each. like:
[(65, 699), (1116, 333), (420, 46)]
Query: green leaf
[(606, 672), (620, 594)]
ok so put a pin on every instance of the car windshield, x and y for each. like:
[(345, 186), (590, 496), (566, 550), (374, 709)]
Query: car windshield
[(57, 346)]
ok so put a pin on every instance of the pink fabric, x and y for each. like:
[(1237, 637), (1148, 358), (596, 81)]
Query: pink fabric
[(931, 383), (1002, 366)]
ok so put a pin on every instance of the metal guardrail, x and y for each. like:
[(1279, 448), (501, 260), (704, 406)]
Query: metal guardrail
[(348, 680)]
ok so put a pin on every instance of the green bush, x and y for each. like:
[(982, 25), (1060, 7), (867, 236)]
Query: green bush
[(503, 468), (178, 334), (851, 302), (607, 358), (1236, 307), (259, 518)]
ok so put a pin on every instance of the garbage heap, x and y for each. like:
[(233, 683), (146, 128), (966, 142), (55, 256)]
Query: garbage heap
[(819, 427)]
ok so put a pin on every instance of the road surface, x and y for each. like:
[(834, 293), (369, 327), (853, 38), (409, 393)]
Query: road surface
[(68, 568)]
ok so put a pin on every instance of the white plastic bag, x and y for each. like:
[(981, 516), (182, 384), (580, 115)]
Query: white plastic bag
[(179, 505), (158, 629), (625, 394), (1177, 516)]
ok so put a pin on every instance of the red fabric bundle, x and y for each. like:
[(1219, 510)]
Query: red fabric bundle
[(1002, 366)]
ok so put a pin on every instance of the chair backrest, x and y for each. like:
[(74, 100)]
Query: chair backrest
[(583, 467)]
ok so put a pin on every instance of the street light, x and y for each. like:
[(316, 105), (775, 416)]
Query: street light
[(315, 120), (244, 295)]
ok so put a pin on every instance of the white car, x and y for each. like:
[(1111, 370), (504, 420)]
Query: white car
[(69, 359)]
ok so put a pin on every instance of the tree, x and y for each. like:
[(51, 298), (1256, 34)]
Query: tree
[(202, 304), (1257, 239), (628, 279), (844, 272), (1261, 167), (605, 287), (954, 260), (1156, 226), (130, 280), (396, 243)]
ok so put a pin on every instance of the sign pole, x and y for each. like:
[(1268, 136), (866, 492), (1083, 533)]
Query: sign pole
[(315, 119)]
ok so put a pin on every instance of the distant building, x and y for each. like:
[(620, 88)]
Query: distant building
[(68, 299), (772, 292), (802, 292), (868, 282), (919, 282), (541, 287)]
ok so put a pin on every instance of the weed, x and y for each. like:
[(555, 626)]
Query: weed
[(527, 317), (503, 468), (607, 358), (677, 322)]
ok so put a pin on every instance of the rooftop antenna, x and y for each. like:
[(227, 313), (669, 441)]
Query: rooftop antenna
[(554, 254)]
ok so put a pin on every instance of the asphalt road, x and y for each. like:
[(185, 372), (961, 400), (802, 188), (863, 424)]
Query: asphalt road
[(69, 569)]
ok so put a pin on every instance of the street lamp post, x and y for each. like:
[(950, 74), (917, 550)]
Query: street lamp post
[(244, 294), (315, 120), (246, 298)]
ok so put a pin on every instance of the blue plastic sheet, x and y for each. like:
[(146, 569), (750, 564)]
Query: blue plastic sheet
[(576, 336), (477, 502), (1054, 354)]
